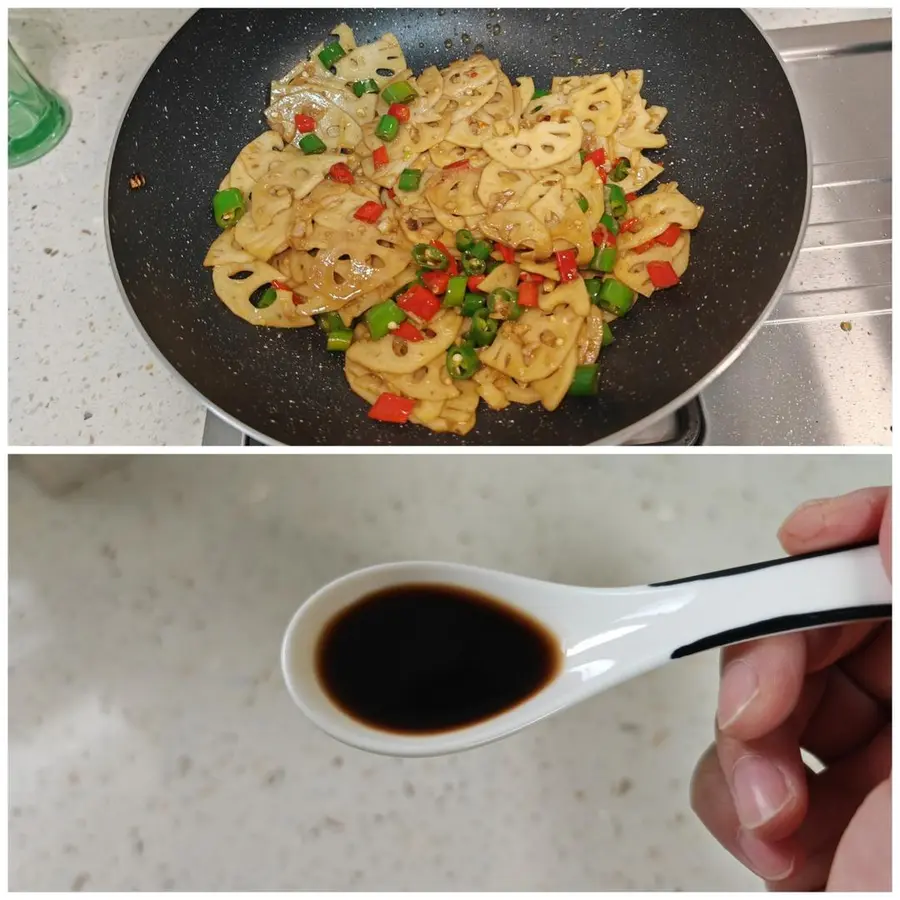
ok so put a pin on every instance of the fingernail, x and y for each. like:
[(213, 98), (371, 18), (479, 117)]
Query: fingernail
[(807, 520), (760, 790), (737, 690), (768, 861)]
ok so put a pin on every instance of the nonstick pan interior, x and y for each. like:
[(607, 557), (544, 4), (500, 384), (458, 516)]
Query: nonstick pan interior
[(736, 146)]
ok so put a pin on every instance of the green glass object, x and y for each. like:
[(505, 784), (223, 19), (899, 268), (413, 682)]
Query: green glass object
[(38, 118)]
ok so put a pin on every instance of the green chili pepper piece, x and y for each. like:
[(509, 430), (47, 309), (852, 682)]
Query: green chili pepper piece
[(401, 92), (611, 225), (228, 207), (471, 265), (582, 155), (465, 240), (604, 259), (620, 170), (270, 295), (369, 86), (615, 198), (607, 335), (380, 318), (456, 291), (502, 303), (593, 286), (473, 302), (410, 179), (387, 128), (462, 362), (429, 257), (483, 329), (538, 94), (481, 250), (340, 339), (615, 297), (583, 204), (312, 144), (331, 321), (585, 383), (331, 53)]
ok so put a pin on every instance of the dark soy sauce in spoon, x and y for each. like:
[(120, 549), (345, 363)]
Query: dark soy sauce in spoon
[(425, 658)]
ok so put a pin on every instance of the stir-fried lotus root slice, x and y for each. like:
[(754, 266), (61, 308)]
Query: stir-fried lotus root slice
[(637, 127), (631, 267), (354, 261), (456, 415), (420, 227), (469, 84), (364, 62), (225, 251), (657, 211), (599, 103), (504, 106), (629, 83), (641, 171), (546, 144), (430, 88), (253, 161), (535, 346), (572, 293), (429, 382), (552, 389), (360, 304), (363, 382), (503, 188), (238, 295), (336, 122), (520, 230), (472, 131), (590, 338), (313, 65), (392, 355), (454, 190)]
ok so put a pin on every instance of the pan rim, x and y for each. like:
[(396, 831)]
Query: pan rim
[(619, 437)]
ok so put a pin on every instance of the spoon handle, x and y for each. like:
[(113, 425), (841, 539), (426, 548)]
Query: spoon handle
[(791, 594)]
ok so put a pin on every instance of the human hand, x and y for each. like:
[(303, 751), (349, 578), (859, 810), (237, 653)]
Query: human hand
[(829, 692)]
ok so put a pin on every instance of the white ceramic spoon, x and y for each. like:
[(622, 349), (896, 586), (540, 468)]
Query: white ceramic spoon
[(606, 636)]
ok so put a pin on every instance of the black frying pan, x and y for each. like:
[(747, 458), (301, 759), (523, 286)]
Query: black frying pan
[(736, 146)]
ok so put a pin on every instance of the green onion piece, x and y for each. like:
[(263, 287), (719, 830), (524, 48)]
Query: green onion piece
[(228, 207), (502, 303), (611, 225), (473, 302), (615, 297), (615, 199), (583, 204), (483, 329), (620, 169), (456, 290), (481, 250), (429, 257), (462, 362), (380, 318), (471, 265), (331, 53), (387, 128), (340, 339), (369, 86), (538, 94), (401, 92), (312, 144), (586, 382), (607, 335), (410, 179), (331, 321), (604, 259), (465, 240), (270, 295)]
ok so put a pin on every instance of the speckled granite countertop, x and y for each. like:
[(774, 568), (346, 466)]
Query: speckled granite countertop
[(152, 742), (79, 371)]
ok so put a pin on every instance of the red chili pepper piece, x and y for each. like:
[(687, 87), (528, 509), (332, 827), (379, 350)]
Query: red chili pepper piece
[(305, 124), (643, 248), (380, 157), (391, 194), (392, 408), (400, 111), (474, 282), (662, 274), (567, 263), (528, 293), (597, 157), (531, 278), (298, 301), (603, 237), (602, 175), (341, 173), (629, 225), (281, 286), (419, 302), (631, 197), (408, 332), (436, 282), (461, 164), (669, 236), (369, 212), (508, 254), (453, 268)]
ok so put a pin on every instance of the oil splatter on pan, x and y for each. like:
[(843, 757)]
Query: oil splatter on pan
[(736, 146)]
